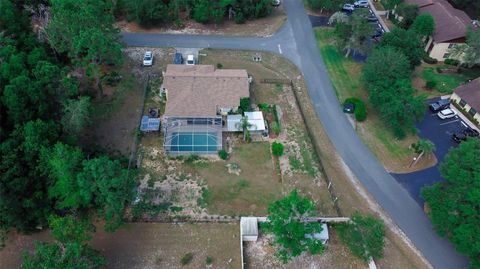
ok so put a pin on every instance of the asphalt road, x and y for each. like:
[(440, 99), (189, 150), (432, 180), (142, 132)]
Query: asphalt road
[(296, 41)]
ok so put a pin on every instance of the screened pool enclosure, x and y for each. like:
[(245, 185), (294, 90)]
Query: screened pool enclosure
[(186, 135)]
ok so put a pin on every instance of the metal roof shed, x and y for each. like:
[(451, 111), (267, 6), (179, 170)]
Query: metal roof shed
[(257, 123), (249, 228), (233, 123), (149, 124)]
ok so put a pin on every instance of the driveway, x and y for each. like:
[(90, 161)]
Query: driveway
[(296, 42), (439, 132)]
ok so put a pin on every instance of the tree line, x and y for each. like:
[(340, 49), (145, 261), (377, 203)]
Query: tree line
[(151, 12), (45, 178)]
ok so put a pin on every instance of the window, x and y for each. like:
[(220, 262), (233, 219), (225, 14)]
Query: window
[(472, 111), (462, 102)]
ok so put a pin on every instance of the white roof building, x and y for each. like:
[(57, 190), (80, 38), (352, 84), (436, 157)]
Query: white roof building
[(249, 228), (256, 121)]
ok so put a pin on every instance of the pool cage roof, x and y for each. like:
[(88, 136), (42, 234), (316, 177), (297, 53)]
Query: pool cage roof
[(189, 135)]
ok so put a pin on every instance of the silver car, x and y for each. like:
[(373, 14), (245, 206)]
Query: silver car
[(148, 58), (446, 114)]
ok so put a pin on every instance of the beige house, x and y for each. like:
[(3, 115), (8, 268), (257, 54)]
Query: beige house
[(451, 26), (198, 97), (468, 97)]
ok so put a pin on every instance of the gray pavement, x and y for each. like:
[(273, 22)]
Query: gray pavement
[(296, 41)]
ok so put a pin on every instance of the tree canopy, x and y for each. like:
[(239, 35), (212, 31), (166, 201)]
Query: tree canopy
[(287, 220), (354, 33), (406, 42), (327, 5), (469, 53), (454, 202), (423, 25)]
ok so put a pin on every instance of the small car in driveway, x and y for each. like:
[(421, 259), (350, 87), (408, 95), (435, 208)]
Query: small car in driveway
[(361, 3), (446, 114), (148, 58), (348, 7), (459, 137), (178, 58), (439, 105), (190, 60), (471, 132), (372, 18)]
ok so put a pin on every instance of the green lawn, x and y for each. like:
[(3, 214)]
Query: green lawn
[(345, 76), (445, 83)]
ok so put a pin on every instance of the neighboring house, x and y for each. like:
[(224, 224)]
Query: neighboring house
[(198, 96), (451, 26), (468, 97)]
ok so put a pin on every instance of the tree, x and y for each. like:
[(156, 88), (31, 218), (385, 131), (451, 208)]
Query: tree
[(454, 202), (327, 5), (70, 250), (76, 115), (406, 42), (469, 53), (364, 236), (84, 30), (423, 25), (277, 149), (354, 34), (384, 66), (146, 12), (426, 147), (288, 221), (408, 13), (202, 11), (245, 125)]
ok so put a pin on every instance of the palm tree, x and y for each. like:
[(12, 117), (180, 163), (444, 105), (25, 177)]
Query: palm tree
[(426, 147), (244, 125)]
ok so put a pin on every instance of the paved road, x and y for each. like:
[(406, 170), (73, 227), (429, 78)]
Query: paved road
[(296, 42)]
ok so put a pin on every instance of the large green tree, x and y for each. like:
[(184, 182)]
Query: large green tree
[(288, 221), (70, 249), (384, 66), (454, 202), (469, 53), (76, 115), (325, 5), (83, 29), (406, 42), (408, 13), (354, 33), (423, 25), (364, 236)]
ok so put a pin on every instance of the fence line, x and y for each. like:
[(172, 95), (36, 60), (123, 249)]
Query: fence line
[(275, 81)]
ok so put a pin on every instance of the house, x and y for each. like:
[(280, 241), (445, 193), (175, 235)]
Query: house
[(468, 97), (249, 228), (451, 26), (197, 99)]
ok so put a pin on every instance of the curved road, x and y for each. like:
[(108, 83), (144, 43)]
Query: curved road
[(296, 42)]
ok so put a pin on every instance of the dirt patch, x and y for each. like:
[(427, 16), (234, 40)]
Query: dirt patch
[(260, 27)]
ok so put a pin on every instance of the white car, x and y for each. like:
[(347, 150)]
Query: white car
[(148, 58), (276, 3), (361, 3), (348, 7), (190, 60), (446, 114)]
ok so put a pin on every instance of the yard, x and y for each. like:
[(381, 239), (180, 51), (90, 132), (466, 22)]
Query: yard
[(394, 154)]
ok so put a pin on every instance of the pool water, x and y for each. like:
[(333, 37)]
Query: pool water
[(194, 142)]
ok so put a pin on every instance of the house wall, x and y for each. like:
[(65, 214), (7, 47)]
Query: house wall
[(439, 50), (466, 107)]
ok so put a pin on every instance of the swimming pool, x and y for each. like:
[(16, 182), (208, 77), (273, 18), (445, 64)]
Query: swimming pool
[(197, 142)]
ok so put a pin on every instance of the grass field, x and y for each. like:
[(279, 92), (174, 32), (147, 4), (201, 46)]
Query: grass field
[(446, 82), (345, 74)]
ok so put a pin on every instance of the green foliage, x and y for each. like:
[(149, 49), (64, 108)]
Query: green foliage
[(219, 65), (264, 107), (277, 149), (426, 146), (390, 4), (360, 109), (354, 33), (408, 12), (187, 258), (364, 236), (205, 199), (327, 5), (406, 42), (239, 18), (202, 10), (423, 25), (275, 127), (431, 84), (245, 104), (429, 60), (295, 163), (209, 260), (454, 202), (469, 52), (384, 65), (223, 154), (286, 220), (76, 115), (454, 62)]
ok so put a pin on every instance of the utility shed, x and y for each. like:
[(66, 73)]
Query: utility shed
[(249, 228), (322, 236), (149, 124), (256, 121)]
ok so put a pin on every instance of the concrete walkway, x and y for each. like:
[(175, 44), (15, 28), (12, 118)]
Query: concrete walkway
[(296, 42)]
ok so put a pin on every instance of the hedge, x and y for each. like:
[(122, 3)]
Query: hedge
[(360, 109)]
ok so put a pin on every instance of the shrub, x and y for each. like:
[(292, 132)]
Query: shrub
[(360, 109), (264, 107), (191, 158), (439, 69), (179, 23), (430, 60), (209, 260), (431, 84), (187, 258), (452, 62), (245, 104), (277, 149), (219, 66), (275, 128), (239, 18), (223, 154)]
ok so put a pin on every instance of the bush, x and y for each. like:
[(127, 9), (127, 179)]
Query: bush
[(187, 258), (360, 109), (219, 66), (430, 60), (179, 23), (452, 62), (275, 127), (277, 149), (264, 107), (223, 154), (431, 84), (209, 260), (245, 104), (239, 18), (439, 69)]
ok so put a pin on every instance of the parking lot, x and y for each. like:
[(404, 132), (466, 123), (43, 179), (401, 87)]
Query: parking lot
[(440, 133)]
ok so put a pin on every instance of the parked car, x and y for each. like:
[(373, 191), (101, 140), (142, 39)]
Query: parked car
[(348, 107), (190, 60), (446, 114), (148, 58), (459, 137), (361, 3), (348, 7), (439, 105), (471, 132), (178, 58), (372, 18), (276, 3)]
